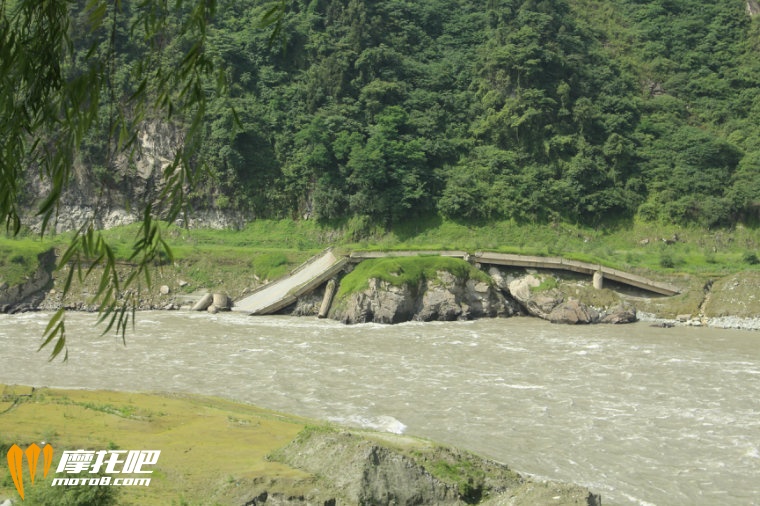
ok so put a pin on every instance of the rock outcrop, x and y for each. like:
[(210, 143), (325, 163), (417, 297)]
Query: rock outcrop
[(556, 305), (114, 197), (444, 298), (27, 296), (573, 312), (753, 8), (620, 313), (372, 468)]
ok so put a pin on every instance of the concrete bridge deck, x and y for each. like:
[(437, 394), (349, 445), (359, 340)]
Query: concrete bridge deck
[(278, 294), (282, 292), (558, 263)]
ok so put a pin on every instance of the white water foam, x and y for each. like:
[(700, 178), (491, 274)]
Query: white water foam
[(382, 423)]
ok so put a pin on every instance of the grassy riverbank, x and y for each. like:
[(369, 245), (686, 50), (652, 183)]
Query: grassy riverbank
[(268, 244), (235, 261), (201, 439), (217, 452)]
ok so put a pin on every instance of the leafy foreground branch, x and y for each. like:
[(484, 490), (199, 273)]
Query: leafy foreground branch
[(117, 304), (62, 94)]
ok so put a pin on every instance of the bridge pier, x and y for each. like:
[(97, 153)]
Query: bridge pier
[(598, 280), (327, 299)]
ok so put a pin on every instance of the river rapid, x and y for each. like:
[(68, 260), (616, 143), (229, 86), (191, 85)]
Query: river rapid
[(638, 414)]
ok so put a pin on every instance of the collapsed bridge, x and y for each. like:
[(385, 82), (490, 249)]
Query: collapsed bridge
[(274, 296)]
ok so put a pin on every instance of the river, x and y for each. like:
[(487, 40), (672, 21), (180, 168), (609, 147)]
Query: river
[(638, 414)]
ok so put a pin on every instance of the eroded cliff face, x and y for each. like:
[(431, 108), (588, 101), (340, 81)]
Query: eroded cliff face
[(448, 298), (115, 196), (753, 7)]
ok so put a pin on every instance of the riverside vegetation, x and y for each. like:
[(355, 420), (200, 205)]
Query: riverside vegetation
[(724, 261)]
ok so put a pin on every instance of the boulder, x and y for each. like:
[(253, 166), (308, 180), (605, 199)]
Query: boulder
[(573, 312), (221, 301), (543, 304), (539, 304), (487, 300), (164, 290), (498, 278), (622, 313), (520, 288)]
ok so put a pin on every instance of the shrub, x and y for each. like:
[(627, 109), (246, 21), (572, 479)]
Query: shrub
[(666, 261), (750, 258), (43, 494)]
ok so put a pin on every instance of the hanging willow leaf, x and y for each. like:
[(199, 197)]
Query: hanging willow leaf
[(47, 111)]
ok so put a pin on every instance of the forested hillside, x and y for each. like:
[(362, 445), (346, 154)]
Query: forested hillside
[(382, 111)]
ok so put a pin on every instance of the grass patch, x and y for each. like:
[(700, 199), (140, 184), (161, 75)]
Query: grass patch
[(205, 442), (258, 235), (547, 283), (468, 478), (268, 249), (631, 246), (233, 259)]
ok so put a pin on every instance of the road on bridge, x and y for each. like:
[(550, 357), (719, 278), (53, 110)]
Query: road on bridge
[(282, 292)]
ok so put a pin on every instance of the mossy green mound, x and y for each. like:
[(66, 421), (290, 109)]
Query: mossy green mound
[(410, 271)]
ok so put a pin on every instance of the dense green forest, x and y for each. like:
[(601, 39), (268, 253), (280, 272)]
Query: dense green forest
[(531, 110)]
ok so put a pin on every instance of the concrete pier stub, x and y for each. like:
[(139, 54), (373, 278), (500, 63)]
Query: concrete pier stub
[(327, 300), (598, 280)]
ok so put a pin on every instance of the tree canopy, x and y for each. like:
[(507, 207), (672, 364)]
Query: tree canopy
[(575, 110)]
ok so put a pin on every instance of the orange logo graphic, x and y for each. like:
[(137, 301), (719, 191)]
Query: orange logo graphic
[(15, 463)]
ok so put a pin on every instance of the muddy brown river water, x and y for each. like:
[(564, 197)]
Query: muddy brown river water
[(638, 414)]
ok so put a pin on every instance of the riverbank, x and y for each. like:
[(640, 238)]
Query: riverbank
[(215, 451), (726, 301), (716, 270)]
